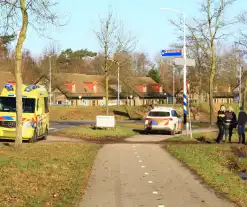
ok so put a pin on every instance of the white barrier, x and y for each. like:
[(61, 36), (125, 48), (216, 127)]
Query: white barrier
[(105, 121)]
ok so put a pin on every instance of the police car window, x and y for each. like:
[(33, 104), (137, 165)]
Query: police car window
[(159, 113), (174, 114)]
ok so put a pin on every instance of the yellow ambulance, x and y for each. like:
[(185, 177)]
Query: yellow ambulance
[(35, 117)]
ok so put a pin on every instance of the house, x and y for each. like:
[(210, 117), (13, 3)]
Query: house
[(76, 89), (89, 90), (146, 91), (221, 95), (236, 91)]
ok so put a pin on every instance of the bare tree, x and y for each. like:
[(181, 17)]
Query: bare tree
[(112, 39), (206, 32), (242, 44), (30, 12)]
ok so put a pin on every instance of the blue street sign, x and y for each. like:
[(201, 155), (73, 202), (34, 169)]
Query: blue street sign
[(171, 53)]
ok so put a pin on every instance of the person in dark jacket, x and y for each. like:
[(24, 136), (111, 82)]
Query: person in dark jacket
[(230, 123), (221, 123), (242, 119)]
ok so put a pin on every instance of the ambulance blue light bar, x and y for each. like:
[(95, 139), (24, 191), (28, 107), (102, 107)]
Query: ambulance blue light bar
[(9, 87), (28, 89)]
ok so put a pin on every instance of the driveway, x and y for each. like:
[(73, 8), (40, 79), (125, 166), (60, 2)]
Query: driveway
[(133, 175)]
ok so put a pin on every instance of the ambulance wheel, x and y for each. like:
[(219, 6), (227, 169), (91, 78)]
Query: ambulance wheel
[(34, 137), (46, 134)]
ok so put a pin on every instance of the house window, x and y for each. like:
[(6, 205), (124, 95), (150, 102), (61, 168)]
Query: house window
[(144, 89), (160, 89), (73, 88)]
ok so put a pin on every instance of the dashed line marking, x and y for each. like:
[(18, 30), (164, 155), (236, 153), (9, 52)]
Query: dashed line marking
[(143, 166), (138, 156), (140, 160), (161, 206), (150, 181), (133, 146), (155, 192), (146, 173), (135, 152)]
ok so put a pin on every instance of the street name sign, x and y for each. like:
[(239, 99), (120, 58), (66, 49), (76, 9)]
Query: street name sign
[(180, 62), (171, 53)]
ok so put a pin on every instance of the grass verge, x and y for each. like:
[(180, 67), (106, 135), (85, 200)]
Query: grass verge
[(45, 174), (218, 165), (87, 132)]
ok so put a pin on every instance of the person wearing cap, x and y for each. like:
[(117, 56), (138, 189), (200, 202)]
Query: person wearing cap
[(230, 123), (221, 123), (242, 119)]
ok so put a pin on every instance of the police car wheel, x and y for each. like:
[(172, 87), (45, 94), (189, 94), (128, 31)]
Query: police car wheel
[(173, 132), (34, 137)]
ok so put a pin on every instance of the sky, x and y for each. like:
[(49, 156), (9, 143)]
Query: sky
[(143, 18)]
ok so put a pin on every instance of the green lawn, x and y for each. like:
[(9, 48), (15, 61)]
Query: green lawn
[(218, 165), (87, 132), (45, 174)]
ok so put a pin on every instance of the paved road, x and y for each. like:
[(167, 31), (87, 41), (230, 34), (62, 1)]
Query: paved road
[(57, 126), (133, 175), (81, 122)]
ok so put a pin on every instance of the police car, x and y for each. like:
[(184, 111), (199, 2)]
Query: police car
[(163, 119)]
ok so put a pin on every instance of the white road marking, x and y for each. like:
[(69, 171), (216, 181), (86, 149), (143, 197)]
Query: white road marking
[(150, 181), (155, 192), (140, 160), (161, 206), (146, 173), (143, 166), (135, 152), (51, 128), (137, 156), (133, 146)]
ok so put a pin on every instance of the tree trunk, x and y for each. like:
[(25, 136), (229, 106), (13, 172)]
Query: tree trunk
[(211, 86), (18, 74), (244, 96)]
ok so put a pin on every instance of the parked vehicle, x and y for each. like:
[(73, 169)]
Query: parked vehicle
[(163, 119), (35, 112)]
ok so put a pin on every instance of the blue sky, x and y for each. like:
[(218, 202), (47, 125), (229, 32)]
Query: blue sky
[(143, 17)]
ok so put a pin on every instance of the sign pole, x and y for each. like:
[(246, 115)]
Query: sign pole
[(185, 74)]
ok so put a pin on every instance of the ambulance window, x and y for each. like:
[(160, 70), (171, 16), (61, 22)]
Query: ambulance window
[(46, 105), (37, 104)]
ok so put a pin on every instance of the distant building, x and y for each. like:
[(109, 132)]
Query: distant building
[(89, 90)]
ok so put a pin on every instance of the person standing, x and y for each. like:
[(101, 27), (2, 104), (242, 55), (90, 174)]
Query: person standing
[(221, 123), (230, 123), (242, 119)]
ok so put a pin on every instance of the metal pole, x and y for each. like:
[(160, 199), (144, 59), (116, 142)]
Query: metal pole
[(240, 86), (118, 88), (173, 85), (50, 79), (185, 73)]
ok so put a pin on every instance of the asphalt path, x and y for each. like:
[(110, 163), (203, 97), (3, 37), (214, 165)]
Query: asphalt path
[(132, 175)]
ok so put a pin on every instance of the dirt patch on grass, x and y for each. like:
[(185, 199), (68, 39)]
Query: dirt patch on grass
[(45, 175), (90, 133)]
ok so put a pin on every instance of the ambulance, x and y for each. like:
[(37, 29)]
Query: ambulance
[(35, 117)]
